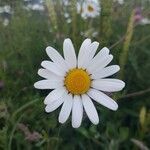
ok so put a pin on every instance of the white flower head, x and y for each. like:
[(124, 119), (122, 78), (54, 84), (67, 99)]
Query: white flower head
[(5, 9), (78, 81), (68, 20), (65, 2), (121, 2), (5, 22), (89, 9), (36, 7), (144, 21)]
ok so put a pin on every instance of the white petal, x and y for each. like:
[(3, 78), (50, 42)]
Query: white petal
[(103, 99), (48, 84), (105, 72), (66, 109), (56, 57), (69, 53), (54, 95), (89, 54), (53, 67), (83, 52), (108, 85), (93, 49), (97, 64), (90, 109), (48, 74), (77, 111), (53, 54), (55, 104), (104, 52)]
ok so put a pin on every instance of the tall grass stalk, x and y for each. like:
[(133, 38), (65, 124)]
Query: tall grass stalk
[(13, 131), (105, 21), (74, 21), (52, 14), (124, 54)]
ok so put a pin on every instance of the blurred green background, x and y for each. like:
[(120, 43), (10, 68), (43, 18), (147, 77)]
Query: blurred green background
[(27, 27)]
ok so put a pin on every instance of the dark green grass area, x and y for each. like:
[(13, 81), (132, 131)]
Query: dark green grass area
[(22, 48)]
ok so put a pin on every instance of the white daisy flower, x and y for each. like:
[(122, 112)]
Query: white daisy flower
[(76, 82), (121, 2), (89, 9)]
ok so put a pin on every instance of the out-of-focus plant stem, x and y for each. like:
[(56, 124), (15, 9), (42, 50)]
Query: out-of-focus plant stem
[(13, 131), (90, 27), (124, 54), (74, 21), (23, 107), (139, 93), (105, 21), (52, 14), (142, 117)]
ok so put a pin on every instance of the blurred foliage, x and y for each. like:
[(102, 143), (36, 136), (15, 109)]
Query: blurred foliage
[(22, 48)]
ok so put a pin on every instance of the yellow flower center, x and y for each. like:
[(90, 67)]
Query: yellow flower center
[(77, 81), (90, 8)]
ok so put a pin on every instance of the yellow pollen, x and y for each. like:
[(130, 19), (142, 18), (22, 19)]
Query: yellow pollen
[(90, 8), (77, 81)]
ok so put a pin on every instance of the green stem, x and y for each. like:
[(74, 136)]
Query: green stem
[(23, 107), (13, 131)]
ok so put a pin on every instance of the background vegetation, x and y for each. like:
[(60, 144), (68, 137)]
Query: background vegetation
[(23, 123)]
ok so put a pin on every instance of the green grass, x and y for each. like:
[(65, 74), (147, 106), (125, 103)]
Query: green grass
[(22, 48)]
